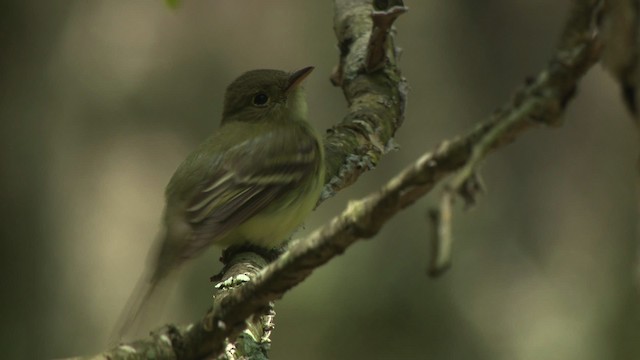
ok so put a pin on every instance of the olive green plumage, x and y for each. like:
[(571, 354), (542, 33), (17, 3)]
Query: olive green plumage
[(253, 181)]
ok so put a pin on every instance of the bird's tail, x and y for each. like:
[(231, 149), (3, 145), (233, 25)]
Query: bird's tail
[(143, 308)]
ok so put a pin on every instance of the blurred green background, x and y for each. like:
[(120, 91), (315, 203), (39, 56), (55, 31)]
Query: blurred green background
[(101, 100)]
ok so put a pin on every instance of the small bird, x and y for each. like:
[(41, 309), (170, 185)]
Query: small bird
[(252, 182)]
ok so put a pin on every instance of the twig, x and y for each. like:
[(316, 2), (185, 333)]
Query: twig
[(382, 23), (540, 101), (441, 238)]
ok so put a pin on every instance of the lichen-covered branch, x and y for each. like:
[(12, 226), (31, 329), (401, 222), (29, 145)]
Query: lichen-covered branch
[(376, 103), (376, 96)]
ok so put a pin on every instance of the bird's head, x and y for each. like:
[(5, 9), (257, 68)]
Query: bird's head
[(266, 95)]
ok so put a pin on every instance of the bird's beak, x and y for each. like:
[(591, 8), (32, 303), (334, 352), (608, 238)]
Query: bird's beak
[(297, 77)]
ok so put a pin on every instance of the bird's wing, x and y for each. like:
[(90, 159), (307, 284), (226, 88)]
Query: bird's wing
[(250, 176)]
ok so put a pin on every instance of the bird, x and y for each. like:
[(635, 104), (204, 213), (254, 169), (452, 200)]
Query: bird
[(252, 182)]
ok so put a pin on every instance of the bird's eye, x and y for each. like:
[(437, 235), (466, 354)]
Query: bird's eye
[(260, 99)]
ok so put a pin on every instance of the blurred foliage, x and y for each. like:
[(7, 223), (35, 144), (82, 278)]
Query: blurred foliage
[(101, 100), (173, 3)]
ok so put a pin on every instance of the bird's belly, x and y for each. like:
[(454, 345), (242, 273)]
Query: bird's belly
[(272, 226)]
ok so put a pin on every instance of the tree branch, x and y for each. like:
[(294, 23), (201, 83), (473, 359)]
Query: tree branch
[(542, 100), (376, 97), (376, 106)]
